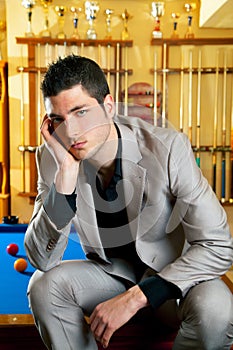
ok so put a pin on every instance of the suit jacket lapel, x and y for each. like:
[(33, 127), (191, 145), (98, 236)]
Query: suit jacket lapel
[(134, 177)]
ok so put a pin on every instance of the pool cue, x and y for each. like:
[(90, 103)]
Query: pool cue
[(164, 86), (56, 52), (181, 90), (38, 96), (64, 51), (126, 82), (223, 179), (99, 55), (190, 95), (231, 143), (214, 160), (22, 128), (198, 126), (117, 76), (108, 64), (47, 54), (82, 49), (155, 90)]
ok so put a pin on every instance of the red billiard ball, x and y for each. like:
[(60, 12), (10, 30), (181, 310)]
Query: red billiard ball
[(20, 265), (12, 249)]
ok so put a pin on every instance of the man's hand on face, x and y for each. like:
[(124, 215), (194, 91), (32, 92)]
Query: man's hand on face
[(110, 315), (68, 166)]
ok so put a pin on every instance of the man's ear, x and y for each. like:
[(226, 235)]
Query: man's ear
[(109, 106)]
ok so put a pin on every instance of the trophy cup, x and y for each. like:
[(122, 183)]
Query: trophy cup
[(60, 11), (46, 32), (189, 34), (29, 5), (125, 16), (108, 13), (157, 12), (2, 35), (76, 11), (189, 8), (175, 34), (91, 11)]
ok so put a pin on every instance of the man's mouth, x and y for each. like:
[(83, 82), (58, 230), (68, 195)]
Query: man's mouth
[(78, 145)]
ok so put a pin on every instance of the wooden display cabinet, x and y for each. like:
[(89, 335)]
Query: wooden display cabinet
[(4, 142)]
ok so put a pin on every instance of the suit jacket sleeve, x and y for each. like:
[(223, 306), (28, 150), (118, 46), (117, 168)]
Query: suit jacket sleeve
[(43, 235), (209, 251)]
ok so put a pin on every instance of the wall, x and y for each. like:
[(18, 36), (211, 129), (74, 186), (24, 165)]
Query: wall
[(140, 59)]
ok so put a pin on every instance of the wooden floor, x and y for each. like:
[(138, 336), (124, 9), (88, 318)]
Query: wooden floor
[(18, 332)]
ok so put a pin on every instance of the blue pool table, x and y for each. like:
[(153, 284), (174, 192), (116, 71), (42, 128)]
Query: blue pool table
[(17, 328), (13, 298)]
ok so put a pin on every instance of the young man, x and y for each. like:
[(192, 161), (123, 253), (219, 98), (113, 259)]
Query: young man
[(152, 229)]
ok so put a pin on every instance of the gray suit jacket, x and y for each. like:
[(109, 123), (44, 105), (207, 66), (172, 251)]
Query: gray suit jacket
[(180, 228)]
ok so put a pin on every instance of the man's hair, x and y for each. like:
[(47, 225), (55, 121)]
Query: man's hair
[(73, 70)]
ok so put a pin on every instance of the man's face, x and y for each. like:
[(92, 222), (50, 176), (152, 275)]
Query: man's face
[(79, 121)]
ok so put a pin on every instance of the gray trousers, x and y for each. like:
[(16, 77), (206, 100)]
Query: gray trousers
[(61, 297)]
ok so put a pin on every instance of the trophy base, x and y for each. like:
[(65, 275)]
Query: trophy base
[(45, 34), (91, 34), (61, 36), (125, 35), (75, 36), (29, 35), (189, 35), (157, 34), (174, 36)]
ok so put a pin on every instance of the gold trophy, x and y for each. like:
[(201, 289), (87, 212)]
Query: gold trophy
[(108, 13), (46, 32), (2, 35), (157, 12), (60, 11), (189, 8), (175, 17), (125, 16), (29, 5), (76, 11), (91, 11)]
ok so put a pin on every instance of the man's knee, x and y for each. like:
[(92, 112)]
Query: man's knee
[(206, 301), (37, 291), (207, 316)]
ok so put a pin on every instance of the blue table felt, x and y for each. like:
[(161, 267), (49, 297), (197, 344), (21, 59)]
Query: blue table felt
[(13, 285)]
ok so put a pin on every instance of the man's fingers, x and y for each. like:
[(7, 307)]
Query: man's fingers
[(101, 330), (106, 337)]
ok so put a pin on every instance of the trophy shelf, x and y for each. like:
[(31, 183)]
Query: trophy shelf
[(72, 41), (192, 41)]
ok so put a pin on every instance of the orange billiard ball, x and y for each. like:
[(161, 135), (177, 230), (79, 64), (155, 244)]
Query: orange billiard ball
[(12, 249), (20, 265)]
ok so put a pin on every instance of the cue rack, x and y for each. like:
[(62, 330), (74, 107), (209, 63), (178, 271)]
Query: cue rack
[(180, 72), (184, 68)]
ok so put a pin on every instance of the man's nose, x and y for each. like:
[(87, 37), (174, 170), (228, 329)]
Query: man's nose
[(71, 126)]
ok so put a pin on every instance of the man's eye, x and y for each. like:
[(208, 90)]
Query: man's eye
[(82, 112), (57, 120)]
